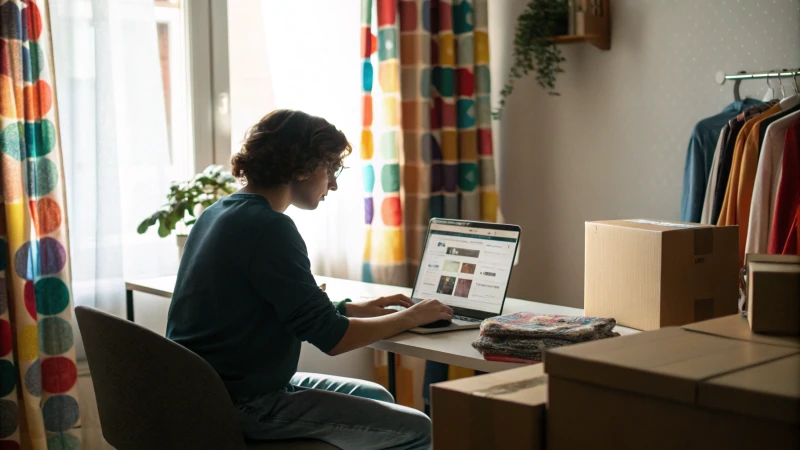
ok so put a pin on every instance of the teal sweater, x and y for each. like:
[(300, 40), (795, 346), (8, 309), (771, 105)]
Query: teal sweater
[(245, 296)]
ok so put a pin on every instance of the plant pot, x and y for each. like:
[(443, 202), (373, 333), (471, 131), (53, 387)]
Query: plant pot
[(561, 27), (180, 239), (561, 20)]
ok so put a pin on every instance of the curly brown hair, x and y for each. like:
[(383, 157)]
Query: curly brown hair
[(286, 146)]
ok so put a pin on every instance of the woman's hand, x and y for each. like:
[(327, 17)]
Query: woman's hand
[(429, 311), (377, 307)]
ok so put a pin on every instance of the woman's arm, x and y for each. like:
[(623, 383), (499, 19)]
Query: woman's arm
[(363, 332)]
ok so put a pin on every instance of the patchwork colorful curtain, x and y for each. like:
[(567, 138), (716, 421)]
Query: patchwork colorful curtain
[(429, 115), (426, 143), (38, 376)]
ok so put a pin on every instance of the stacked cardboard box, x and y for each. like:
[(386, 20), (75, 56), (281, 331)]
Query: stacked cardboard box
[(503, 410), (709, 385), (773, 293), (649, 274)]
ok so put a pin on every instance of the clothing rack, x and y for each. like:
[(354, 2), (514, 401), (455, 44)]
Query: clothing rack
[(722, 77), (784, 73)]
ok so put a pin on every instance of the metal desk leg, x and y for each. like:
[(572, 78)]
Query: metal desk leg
[(392, 380), (129, 304)]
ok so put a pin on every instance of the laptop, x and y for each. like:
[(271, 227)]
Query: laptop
[(467, 266)]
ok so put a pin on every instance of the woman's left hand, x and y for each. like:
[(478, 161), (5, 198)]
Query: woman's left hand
[(377, 307)]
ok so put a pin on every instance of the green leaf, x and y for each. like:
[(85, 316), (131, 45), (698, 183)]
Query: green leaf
[(142, 229), (163, 231)]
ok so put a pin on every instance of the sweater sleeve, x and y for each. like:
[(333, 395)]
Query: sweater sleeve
[(280, 272), (694, 180)]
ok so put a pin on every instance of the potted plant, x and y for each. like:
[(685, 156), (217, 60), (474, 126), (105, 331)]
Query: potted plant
[(186, 201), (533, 50)]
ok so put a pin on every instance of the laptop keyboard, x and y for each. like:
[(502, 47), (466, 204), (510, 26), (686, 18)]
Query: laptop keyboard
[(456, 317), (467, 319)]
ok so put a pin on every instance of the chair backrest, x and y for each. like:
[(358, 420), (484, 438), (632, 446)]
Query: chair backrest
[(153, 393)]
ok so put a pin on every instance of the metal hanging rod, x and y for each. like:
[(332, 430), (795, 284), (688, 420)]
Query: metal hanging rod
[(722, 77)]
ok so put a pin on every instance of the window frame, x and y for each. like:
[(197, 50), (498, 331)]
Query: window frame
[(208, 76)]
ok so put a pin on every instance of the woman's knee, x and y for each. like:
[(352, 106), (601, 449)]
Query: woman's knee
[(419, 428), (375, 391)]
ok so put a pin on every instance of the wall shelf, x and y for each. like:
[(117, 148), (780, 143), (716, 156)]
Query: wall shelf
[(596, 25)]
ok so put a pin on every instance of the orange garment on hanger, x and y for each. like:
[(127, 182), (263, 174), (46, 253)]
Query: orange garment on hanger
[(729, 215), (747, 179)]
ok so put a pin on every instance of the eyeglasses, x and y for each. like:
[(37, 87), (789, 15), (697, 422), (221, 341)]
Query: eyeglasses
[(334, 174)]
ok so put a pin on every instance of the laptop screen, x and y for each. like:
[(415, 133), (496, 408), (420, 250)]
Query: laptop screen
[(467, 266)]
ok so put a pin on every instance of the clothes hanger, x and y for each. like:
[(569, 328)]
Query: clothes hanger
[(736, 84), (792, 100), (770, 94)]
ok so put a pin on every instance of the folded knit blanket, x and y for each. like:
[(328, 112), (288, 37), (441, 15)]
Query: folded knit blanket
[(525, 348), (525, 336), (541, 326)]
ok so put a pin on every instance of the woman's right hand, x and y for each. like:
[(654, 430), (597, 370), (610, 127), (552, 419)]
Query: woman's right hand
[(429, 311)]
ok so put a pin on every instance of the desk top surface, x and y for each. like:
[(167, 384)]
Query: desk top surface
[(452, 347)]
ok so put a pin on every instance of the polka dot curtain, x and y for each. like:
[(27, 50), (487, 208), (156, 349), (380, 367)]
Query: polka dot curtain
[(426, 142), (38, 375)]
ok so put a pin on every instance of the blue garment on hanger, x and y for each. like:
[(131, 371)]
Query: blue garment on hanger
[(700, 155)]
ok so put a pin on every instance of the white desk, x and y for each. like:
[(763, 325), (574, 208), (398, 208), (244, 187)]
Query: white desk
[(450, 348)]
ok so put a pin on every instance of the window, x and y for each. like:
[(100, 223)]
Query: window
[(170, 18), (282, 56)]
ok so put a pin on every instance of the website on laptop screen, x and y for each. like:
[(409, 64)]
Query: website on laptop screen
[(466, 267)]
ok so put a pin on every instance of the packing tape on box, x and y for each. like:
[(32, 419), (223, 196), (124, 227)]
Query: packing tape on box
[(481, 422), (510, 388)]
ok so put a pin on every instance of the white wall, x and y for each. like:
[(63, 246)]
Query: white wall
[(613, 144)]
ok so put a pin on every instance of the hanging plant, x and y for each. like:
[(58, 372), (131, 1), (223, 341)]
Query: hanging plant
[(533, 52)]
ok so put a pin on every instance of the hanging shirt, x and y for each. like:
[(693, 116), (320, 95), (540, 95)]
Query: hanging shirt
[(789, 106), (747, 174), (728, 214), (765, 187), (699, 157), (726, 155), (708, 201), (783, 235)]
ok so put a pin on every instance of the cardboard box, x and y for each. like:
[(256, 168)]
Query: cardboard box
[(773, 293), (736, 327), (503, 410), (673, 388), (648, 274)]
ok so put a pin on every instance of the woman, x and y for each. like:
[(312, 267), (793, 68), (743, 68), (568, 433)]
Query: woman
[(245, 298)]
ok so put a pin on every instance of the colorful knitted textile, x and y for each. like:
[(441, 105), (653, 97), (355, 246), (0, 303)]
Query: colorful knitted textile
[(541, 326), (526, 336)]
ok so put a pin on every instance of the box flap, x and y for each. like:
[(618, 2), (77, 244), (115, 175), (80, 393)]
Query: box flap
[(652, 225), (736, 327), (667, 363), (778, 259), (772, 267), (525, 385), (770, 391)]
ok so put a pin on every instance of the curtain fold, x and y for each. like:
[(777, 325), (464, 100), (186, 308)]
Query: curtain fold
[(38, 375)]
